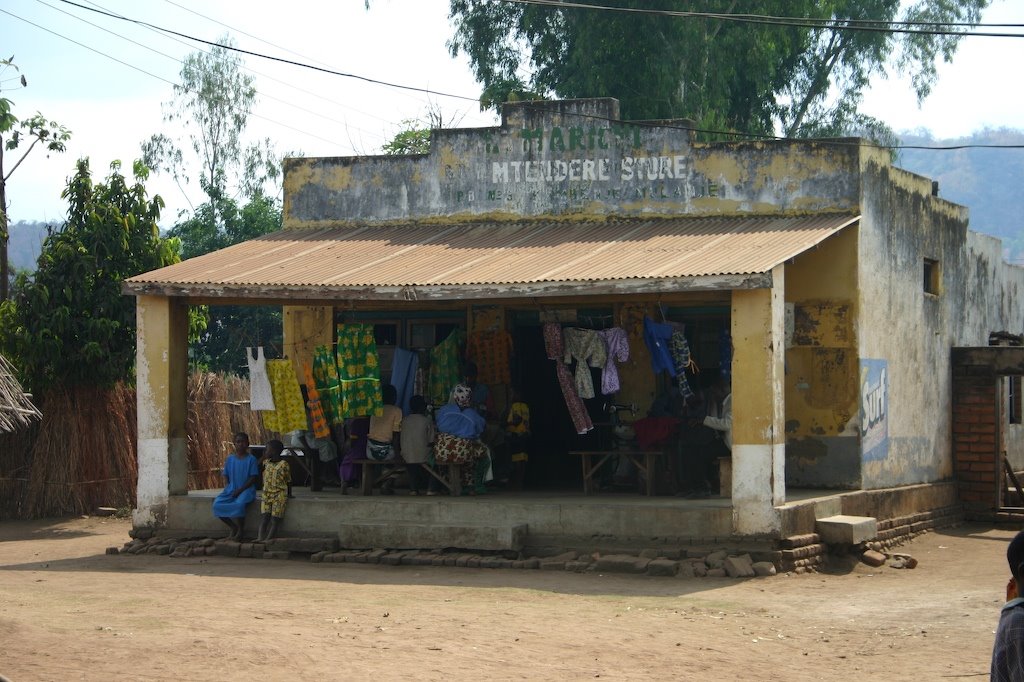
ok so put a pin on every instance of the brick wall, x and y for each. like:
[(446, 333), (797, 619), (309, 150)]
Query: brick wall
[(976, 439)]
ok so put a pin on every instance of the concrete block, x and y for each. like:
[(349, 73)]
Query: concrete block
[(739, 566), (846, 530), (663, 567)]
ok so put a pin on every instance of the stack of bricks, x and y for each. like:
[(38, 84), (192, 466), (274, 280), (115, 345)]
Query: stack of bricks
[(976, 439), (900, 529), (800, 553)]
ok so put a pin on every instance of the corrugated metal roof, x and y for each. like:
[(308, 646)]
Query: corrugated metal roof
[(495, 253)]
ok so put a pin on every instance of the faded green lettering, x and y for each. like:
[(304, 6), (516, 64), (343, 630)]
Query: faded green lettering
[(576, 139), (557, 141)]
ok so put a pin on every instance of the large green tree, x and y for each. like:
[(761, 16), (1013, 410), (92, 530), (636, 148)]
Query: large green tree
[(751, 76), (70, 324), (20, 136), (213, 103)]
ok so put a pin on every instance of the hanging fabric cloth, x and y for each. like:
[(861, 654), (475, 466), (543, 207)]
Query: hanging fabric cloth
[(680, 351), (587, 349), (290, 414), (403, 376), (616, 345), (555, 349), (260, 397), (325, 374), (359, 371), (657, 336), (491, 351), (317, 418), (444, 368)]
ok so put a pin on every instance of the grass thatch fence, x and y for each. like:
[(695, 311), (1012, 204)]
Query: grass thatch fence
[(82, 455)]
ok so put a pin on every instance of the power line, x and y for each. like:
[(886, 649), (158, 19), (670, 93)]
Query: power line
[(879, 26), (178, 61), (153, 75), (276, 59), (735, 134)]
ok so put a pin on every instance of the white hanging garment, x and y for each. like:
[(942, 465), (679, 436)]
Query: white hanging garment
[(261, 397)]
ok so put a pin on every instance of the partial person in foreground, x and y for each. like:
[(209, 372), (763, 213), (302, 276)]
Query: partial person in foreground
[(241, 471), (1008, 650)]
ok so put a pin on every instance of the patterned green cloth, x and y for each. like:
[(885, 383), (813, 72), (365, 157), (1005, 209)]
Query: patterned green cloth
[(325, 376), (444, 368), (359, 371)]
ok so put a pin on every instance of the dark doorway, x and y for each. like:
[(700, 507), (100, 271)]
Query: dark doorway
[(550, 466)]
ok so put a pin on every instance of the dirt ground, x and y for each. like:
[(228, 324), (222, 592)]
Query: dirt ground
[(70, 612)]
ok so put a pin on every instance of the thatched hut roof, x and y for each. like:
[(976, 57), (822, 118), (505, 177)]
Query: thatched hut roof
[(16, 410)]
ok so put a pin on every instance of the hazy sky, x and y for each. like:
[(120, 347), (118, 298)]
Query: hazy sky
[(106, 79)]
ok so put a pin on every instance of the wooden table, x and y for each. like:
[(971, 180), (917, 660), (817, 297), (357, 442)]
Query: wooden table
[(593, 459)]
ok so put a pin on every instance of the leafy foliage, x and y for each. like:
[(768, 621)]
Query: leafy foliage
[(725, 75), (20, 135), (71, 325), (412, 139), (214, 102)]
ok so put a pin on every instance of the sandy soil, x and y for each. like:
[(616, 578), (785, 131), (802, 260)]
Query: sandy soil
[(69, 612)]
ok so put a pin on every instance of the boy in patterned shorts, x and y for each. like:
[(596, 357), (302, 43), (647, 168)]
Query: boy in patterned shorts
[(277, 477)]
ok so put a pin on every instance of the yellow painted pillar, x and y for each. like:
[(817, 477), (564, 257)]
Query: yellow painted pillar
[(758, 407), (161, 368), (305, 328)]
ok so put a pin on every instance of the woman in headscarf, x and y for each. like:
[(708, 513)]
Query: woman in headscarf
[(459, 426)]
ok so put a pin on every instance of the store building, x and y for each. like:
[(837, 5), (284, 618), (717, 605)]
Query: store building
[(838, 282)]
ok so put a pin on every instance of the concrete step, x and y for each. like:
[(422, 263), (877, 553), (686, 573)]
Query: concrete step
[(396, 534), (846, 530)]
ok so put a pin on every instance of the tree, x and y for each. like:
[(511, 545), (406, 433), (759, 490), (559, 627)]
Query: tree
[(224, 330), (32, 131), (71, 325), (414, 135), (748, 76), (214, 102)]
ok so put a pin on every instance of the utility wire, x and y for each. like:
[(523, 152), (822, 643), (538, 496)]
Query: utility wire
[(161, 78), (879, 26), (750, 136), (276, 59), (178, 61), (261, 74)]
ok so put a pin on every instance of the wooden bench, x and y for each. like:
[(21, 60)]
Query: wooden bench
[(371, 478), (593, 459)]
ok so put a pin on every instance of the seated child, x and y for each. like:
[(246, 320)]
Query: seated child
[(242, 472), (517, 437), (277, 478)]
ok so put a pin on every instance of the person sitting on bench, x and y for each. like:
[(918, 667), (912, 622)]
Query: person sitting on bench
[(459, 426), (384, 438), (242, 471)]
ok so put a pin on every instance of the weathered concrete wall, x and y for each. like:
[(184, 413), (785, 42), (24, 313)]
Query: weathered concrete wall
[(994, 303), (905, 334), (569, 158), (822, 440)]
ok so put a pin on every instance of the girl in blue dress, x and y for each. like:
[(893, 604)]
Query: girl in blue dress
[(241, 471)]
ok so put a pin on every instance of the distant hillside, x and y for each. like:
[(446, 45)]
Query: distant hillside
[(26, 244), (987, 181)]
